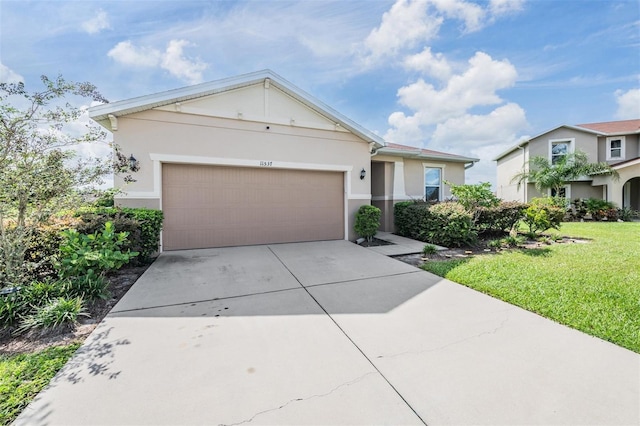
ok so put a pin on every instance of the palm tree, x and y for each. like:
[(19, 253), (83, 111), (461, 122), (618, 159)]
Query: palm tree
[(547, 175)]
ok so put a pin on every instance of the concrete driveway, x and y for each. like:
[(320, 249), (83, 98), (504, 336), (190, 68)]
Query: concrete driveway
[(330, 333)]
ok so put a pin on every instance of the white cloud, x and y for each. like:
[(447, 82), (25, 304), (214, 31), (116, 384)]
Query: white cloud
[(405, 24), (429, 64), (174, 61), (97, 23), (171, 60), (128, 54), (471, 14), (7, 75), (477, 86), (504, 7), (628, 104)]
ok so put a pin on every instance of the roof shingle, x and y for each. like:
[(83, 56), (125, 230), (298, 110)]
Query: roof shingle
[(624, 126)]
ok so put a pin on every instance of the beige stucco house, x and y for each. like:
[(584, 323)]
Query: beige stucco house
[(254, 160), (614, 142)]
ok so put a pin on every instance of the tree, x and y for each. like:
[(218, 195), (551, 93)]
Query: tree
[(39, 168), (547, 175), (38, 165)]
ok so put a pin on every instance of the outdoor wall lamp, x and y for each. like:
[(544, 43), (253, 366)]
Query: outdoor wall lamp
[(363, 173), (133, 163)]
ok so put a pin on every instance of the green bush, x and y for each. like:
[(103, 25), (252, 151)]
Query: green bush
[(498, 219), (147, 223), (92, 254), (543, 214), (367, 221), (429, 249), (445, 224), (449, 224), (473, 196), (409, 217), (598, 209)]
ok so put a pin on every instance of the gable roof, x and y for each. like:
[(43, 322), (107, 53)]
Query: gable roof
[(606, 128), (101, 113), (421, 153)]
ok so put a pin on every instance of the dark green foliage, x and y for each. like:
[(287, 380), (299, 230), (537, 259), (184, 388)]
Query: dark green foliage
[(143, 225), (367, 221), (446, 224), (498, 219), (543, 214), (600, 209), (54, 313)]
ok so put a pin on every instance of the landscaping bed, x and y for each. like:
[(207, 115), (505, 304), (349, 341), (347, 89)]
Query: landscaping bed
[(119, 283)]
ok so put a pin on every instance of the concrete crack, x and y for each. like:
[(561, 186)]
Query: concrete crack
[(322, 395), (457, 342)]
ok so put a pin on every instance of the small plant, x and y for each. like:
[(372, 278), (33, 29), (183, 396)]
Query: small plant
[(55, 313), (92, 254), (367, 221), (494, 244), (473, 196), (429, 249), (513, 240), (542, 214), (626, 214), (598, 208)]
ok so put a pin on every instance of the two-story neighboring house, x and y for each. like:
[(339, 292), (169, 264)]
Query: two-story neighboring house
[(614, 142)]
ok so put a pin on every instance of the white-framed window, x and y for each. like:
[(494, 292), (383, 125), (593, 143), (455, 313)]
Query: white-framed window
[(558, 148), (433, 183), (615, 148)]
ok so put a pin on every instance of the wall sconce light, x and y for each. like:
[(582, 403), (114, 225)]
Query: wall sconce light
[(363, 173), (133, 163)]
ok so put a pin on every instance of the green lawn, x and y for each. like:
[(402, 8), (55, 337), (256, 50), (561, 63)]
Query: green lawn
[(23, 376), (593, 287)]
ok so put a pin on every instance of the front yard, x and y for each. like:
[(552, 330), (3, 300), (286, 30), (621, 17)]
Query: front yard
[(592, 286)]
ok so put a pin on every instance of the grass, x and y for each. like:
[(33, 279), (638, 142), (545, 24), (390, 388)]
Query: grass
[(23, 376), (592, 287)]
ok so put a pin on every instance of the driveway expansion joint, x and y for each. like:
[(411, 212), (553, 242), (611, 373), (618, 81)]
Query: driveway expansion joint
[(355, 280)]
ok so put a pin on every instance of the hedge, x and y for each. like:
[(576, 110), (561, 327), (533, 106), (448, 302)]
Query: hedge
[(447, 224)]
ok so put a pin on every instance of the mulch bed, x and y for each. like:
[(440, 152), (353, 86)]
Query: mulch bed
[(119, 283)]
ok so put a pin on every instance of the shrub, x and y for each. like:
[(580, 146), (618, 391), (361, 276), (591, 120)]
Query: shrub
[(148, 224), (578, 209), (54, 313), (409, 217), (92, 254), (473, 196), (450, 224), (90, 286), (598, 208), (543, 214), (429, 249), (367, 221), (626, 214), (12, 307), (500, 218)]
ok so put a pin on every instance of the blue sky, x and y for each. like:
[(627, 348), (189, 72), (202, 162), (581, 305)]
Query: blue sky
[(464, 77)]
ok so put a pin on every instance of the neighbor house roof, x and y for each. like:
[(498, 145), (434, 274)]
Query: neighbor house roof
[(607, 128), (102, 112), (614, 127), (421, 153)]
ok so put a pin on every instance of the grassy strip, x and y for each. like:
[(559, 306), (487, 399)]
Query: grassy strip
[(23, 376), (592, 287)]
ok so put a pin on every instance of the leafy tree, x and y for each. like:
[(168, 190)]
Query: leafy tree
[(37, 160), (39, 168), (547, 175)]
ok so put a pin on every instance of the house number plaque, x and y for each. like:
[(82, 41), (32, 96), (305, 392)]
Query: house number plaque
[(266, 163)]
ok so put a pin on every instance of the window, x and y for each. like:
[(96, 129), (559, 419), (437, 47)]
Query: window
[(432, 183), (615, 148), (564, 192), (559, 149)]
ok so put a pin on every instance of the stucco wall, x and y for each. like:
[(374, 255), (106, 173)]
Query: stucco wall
[(508, 166), (585, 142)]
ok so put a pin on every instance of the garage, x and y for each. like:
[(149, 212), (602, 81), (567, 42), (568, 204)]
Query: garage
[(217, 206)]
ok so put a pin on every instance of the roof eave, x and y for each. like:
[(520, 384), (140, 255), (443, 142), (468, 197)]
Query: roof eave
[(420, 155)]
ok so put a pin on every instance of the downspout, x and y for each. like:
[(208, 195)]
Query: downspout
[(469, 165)]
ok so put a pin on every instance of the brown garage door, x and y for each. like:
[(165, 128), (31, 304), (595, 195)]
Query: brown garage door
[(211, 206)]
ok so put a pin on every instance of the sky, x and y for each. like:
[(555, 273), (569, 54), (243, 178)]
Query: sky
[(460, 76)]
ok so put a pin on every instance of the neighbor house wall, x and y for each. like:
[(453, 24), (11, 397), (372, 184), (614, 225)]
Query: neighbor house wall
[(583, 141), (507, 167)]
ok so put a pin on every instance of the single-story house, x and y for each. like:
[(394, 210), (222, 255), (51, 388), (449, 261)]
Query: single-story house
[(614, 142), (253, 159)]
